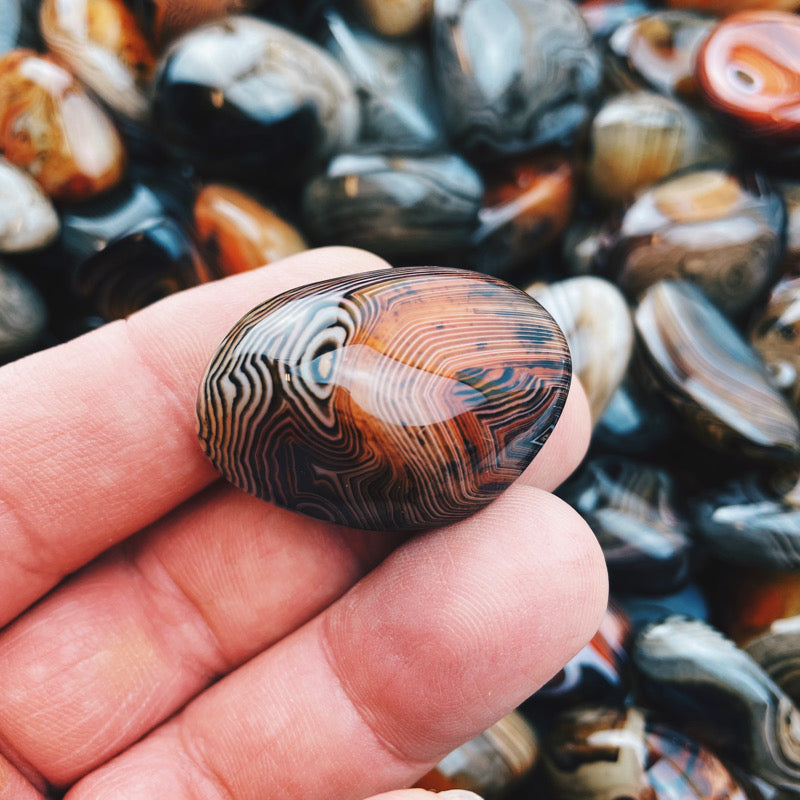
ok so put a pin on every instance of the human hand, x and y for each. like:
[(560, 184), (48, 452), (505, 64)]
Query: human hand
[(210, 646)]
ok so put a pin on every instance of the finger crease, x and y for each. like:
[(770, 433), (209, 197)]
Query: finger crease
[(170, 601), (393, 749)]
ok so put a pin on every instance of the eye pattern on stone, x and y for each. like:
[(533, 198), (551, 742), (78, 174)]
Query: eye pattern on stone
[(398, 399)]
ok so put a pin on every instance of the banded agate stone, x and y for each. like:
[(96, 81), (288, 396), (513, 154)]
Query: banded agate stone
[(398, 399)]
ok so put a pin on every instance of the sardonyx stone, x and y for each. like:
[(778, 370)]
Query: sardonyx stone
[(237, 233), (103, 44), (723, 8), (748, 70), (398, 399), (50, 127)]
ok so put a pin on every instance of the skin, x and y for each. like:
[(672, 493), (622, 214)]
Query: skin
[(168, 636)]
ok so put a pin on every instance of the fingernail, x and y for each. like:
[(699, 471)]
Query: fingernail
[(459, 794)]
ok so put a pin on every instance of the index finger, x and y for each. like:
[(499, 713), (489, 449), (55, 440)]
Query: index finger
[(98, 435)]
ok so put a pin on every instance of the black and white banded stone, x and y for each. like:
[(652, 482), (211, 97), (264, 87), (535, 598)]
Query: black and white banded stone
[(398, 399)]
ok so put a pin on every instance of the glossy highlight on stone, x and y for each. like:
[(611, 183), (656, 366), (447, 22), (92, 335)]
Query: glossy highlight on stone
[(597, 322), (659, 49), (27, 218), (395, 206), (631, 507), (240, 97), (237, 233), (491, 763), (513, 74), (399, 399), (54, 130), (713, 379), (749, 71), (394, 82), (527, 204), (721, 230), (23, 313), (605, 753), (102, 43), (690, 670)]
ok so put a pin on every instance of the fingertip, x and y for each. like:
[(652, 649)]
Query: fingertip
[(469, 620)]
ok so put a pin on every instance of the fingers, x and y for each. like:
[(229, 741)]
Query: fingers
[(205, 589), (446, 635), (102, 443), (128, 641), (13, 785), (98, 435)]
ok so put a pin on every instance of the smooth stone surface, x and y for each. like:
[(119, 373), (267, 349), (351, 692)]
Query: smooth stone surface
[(27, 217), (513, 74), (603, 17), (775, 334), (526, 206), (636, 422), (50, 127), (638, 138), (394, 82), (102, 43), (164, 20), (23, 313), (745, 599), (398, 399), (396, 17), (749, 71), (582, 240), (597, 322), (244, 98), (790, 191), (605, 753), (777, 651), (726, 7), (491, 764), (660, 49), (87, 228), (237, 233), (396, 206), (711, 376), (747, 521), (720, 230), (152, 260), (690, 601), (632, 508), (689, 670)]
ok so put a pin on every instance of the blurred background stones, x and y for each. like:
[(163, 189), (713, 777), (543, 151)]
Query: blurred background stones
[(633, 165)]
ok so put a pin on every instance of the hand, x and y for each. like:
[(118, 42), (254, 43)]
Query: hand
[(210, 646)]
